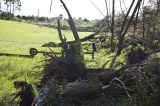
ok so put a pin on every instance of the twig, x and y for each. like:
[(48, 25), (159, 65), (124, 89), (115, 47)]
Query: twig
[(52, 51), (71, 23), (147, 81), (125, 29), (139, 65), (124, 5), (121, 7), (107, 13), (96, 7), (117, 79)]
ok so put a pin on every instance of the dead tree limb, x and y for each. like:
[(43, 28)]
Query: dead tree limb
[(71, 22), (121, 7), (125, 18), (124, 5), (123, 32), (144, 18), (59, 30), (96, 7), (82, 88), (74, 54), (107, 13), (135, 27), (113, 26), (52, 44)]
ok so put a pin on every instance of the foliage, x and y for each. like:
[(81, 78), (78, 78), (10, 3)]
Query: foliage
[(146, 79), (54, 97), (13, 5), (6, 16), (148, 84)]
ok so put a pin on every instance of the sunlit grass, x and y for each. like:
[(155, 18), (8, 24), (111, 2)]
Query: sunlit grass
[(18, 38)]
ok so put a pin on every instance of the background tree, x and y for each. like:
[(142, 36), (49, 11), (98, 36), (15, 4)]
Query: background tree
[(0, 6), (12, 4)]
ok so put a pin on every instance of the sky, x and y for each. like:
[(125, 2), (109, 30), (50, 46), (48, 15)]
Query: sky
[(78, 8)]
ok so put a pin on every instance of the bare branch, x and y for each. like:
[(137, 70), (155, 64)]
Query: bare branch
[(124, 31), (71, 22), (96, 7)]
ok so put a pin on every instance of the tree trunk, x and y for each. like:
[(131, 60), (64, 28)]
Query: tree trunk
[(74, 54), (108, 22), (10, 5), (59, 31), (123, 27), (135, 28), (7, 7), (155, 22), (123, 32), (144, 25), (113, 26), (13, 9), (0, 6), (71, 22)]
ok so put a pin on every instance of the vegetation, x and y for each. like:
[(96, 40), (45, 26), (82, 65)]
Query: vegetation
[(93, 86), (124, 69), (17, 38)]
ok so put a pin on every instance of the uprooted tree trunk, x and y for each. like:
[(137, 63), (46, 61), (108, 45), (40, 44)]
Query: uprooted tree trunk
[(102, 83), (71, 23), (74, 53), (69, 82)]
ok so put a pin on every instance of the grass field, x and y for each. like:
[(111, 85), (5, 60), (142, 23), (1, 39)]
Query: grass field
[(17, 38)]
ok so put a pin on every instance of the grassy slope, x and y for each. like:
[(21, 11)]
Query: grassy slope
[(16, 37), (27, 35)]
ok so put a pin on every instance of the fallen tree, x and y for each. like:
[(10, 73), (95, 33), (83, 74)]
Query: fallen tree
[(68, 82)]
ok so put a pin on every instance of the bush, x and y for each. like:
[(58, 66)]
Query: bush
[(6, 16)]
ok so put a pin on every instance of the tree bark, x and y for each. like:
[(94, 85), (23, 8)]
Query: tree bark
[(107, 13), (155, 22), (135, 28), (71, 22), (74, 54), (113, 26), (59, 31), (123, 32)]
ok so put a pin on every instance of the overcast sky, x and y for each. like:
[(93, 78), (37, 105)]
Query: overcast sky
[(78, 8)]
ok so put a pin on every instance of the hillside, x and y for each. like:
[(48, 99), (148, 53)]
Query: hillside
[(17, 38), (18, 34)]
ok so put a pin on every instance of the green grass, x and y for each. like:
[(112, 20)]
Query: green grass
[(23, 36), (17, 38)]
